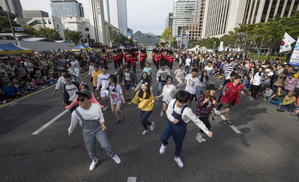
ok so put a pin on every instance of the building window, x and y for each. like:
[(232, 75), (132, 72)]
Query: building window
[(265, 10), (288, 6)]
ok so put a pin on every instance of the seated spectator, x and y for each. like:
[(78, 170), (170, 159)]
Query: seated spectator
[(49, 80), (277, 99), (290, 83), (29, 87), (33, 84), (266, 94), (288, 103), (17, 84), (3, 98), (246, 82), (11, 91), (39, 81)]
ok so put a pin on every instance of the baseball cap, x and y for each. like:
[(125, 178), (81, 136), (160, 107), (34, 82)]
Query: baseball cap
[(84, 93)]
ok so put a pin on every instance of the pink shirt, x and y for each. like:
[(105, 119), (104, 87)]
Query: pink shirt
[(75, 102)]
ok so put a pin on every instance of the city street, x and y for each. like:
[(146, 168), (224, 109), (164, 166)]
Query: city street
[(266, 149)]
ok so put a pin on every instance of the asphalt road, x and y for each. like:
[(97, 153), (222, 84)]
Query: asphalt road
[(266, 150)]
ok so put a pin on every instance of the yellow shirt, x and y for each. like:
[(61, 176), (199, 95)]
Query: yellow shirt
[(296, 75), (95, 77), (144, 104)]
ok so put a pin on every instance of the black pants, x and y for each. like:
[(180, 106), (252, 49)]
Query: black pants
[(142, 65), (115, 64), (206, 122), (254, 90), (170, 66), (157, 65), (134, 68)]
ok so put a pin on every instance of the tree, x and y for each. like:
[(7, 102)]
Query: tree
[(209, 42), (117, 38), (30, 30), (4, 23), (73, 36), (49, 33), (167, 35)]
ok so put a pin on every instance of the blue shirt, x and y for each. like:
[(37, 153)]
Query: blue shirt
[(148, 70)]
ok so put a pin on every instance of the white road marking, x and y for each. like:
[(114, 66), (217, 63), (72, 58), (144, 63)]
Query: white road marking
[(132, 179), (49, 123), (231, 126)]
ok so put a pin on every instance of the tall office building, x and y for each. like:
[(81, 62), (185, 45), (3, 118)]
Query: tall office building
[(97, 21), (183, 12), (64, 8), (169, 20), (221, 17), (115, 12), (12, 6), (34, 13), (263, 10)]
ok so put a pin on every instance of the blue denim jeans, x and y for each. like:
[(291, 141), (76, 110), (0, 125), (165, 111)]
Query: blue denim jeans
[(143, 118), (160, 87), (199, 91), (187, 69)]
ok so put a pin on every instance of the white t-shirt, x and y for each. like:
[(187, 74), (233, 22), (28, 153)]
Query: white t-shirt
[(93, 113), (191, 84), (91, 69), (169, 92), (103, 80), (188, 61), (115, 97), (61, 81), (26, 64), (75, 65), (181, 73), (71, 90)]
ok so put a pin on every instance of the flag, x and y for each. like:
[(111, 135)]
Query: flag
[(286, 43), (295, 56)]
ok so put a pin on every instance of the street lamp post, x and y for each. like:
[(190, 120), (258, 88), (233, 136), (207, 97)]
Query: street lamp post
[(8, 11)]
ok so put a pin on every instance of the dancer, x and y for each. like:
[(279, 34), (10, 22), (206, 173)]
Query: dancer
[(162, 77), (69, 91), (90, 117), (143, 76), (179, 114), (180, 74), (204, 80), (82, 87), (95, 75), (230, 96), (129, 80), (116, 96), (148, 69), (60, 82), (145, 100), (205, 103), (168, 94), (102, 84), (191, 82)]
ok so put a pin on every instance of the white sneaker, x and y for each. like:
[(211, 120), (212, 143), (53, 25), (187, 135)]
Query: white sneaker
[(162, 149), (93, 164), (179, 161), (199, 137), (116, 158), (161, 113), (145, 132), (105, 108), (152, 126)]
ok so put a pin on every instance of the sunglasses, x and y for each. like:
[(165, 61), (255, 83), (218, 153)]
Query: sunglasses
[(81, 99)]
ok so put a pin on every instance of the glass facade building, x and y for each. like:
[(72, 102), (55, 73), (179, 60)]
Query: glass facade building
[(183, 12), (115, 12), (64, 8)]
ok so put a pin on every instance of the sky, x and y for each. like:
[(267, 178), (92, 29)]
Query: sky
[(143, 15)]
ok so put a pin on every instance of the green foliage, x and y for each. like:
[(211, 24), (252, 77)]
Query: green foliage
[(30, 30), (49, 33), (117, 38), (167, 35), (209, 42), (4, 23), (73, 36)]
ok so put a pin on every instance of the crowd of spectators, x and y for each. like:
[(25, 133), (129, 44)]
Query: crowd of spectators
[(272, 80), (27, 73)]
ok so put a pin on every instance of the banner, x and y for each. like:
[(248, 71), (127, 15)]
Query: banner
[(295, 56), (187, 39), (286, 43)]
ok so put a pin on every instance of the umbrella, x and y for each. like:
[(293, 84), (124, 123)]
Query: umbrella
[(10, 48)]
